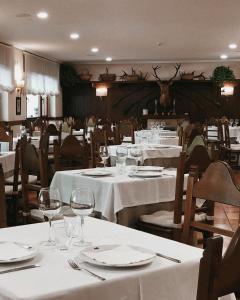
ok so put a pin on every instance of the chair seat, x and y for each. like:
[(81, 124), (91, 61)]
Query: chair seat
[(9, 186), (165, 219)]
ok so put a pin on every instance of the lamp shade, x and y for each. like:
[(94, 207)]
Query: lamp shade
[(227, 89), (101, 91)]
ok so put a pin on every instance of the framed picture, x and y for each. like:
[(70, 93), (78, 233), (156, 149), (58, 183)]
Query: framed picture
[(18, 105)]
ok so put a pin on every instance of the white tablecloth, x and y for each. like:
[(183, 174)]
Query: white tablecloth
[(7, 159), (55, 280), (116, 192), (234, 132), (152, 150)]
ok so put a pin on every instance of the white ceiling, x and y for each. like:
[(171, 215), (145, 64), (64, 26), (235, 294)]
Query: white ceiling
[(127, 30)]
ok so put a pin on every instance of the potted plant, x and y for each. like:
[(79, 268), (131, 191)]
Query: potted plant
[(223, 75), (107, 76)]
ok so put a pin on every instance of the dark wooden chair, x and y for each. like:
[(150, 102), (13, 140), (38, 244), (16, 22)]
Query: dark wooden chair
[(6, 136), (38, 125), (32, 163), (216, 185), (125, 129), (78, 129), (52, 133), (219, 275), (169, 223), (3, 214), (97, 138), (213, 135), (71, 154), (232, 154)]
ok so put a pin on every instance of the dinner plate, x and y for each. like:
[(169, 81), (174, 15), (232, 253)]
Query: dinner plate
[(146, 174), (11, 252), (150, 168), (98, 173), (119, 256)]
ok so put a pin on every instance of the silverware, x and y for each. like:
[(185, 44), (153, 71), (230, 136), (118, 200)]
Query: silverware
[(76, 267), (19, 269), (169, 258)]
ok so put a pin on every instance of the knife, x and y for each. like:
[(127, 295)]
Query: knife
[(169, 258), (19, 269)]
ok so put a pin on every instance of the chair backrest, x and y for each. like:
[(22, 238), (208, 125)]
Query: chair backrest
[(71, 154), (6, 136), (38, 124), (198, 157), (219, 276), (52, 131), (217, 184), (98, 138), (125, 128), (3, 214)]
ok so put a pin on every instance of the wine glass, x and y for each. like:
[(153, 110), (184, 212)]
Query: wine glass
[(104, 154), (50, 205), (82, 203), (136, 153)]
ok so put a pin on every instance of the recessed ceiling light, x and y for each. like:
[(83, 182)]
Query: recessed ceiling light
[(232, 46), (94, 50), (223, 56), (42, 15), (108, 58), (74, 36)]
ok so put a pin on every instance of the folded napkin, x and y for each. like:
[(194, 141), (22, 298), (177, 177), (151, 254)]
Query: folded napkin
[(119, 255), (9, 250)]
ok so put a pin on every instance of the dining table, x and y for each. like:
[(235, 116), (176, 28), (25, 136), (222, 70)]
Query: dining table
[(55, 279), (7, 159), (116, 192)]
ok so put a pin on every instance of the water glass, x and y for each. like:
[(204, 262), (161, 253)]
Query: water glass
[(122, 153), (60, 237)]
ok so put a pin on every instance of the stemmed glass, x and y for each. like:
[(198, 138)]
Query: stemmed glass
[(82, 203), (50, 205), (104, 154), (137, 154)]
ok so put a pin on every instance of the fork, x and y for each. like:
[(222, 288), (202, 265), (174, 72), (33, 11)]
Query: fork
[(74, 266)]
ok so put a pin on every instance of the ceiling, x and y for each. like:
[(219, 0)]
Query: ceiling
[(126, 30)]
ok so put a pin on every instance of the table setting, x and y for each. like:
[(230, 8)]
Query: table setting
[(156, 136)]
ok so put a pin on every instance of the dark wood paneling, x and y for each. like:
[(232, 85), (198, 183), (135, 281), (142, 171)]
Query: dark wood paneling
[(201, 99)]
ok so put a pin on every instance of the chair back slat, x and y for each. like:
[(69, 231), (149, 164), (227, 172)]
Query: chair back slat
[(218, 184)]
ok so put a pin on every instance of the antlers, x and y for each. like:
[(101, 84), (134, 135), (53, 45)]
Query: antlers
[(155, 69)]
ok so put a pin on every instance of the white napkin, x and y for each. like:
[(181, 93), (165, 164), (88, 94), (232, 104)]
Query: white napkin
[(9, 250), (119, 256)]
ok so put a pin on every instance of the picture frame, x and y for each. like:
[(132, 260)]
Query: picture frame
[(18, 106)]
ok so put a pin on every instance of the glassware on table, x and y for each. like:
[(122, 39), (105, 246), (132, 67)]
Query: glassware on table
[(61, 238), (82, 203), (137, 154), (104, 154), (50, 205), (122, 153)]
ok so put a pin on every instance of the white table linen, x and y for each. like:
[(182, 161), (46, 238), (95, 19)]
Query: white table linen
[(113, 193), (7, 159), (151, 150), (55, 280)]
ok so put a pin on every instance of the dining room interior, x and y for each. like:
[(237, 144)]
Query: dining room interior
[(119, 150)]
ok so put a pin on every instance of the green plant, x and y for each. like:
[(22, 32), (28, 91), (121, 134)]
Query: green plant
[(222, 74), (68, 75)]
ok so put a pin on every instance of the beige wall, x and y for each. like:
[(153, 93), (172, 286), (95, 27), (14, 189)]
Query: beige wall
[(166, 71)]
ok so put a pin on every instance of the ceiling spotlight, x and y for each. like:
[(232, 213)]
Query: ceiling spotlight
[(42, 15), (74, 36), (94, 50), (109, 59), (223, 56), (232, 46)]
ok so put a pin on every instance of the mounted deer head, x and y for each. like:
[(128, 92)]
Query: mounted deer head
[(165, 99)]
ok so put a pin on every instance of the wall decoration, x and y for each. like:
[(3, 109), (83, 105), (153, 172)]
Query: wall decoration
[(223, 74), (107, 76), (18, 106)]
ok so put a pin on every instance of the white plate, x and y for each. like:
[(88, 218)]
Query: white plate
[(146, 174), (119, 256), (96, 173), (150, 168), (11, 252)]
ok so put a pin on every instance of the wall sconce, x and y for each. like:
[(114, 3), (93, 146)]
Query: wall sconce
[(20, 87), (101, 91), (227, 89)]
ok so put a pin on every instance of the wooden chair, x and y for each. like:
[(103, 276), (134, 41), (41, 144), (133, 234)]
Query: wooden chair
[(32, 163), (125, 129), (52, 132), (3, 214), (97, 138), (219, 275), (6, 136), (216, 185), (71, 154), (169, 223), (232, 153), (78, 129), (38, 125), (213, 135)]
